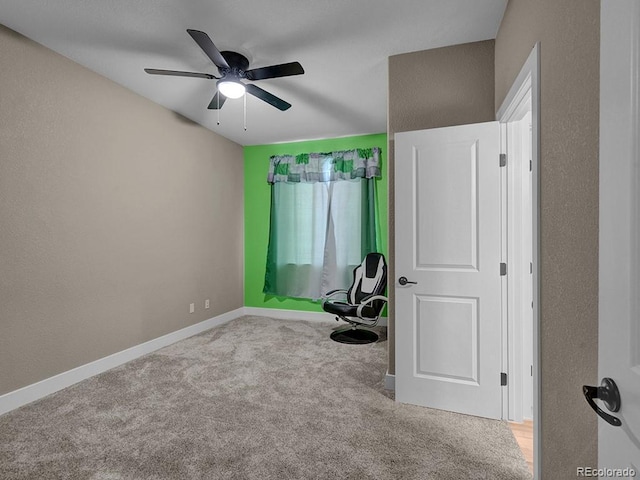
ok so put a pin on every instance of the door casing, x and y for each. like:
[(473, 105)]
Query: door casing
[(526, 88)]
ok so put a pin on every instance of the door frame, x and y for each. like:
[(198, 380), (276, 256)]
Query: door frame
[(525, 86)]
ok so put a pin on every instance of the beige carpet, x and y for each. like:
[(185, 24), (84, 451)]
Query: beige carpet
[(256, 398)]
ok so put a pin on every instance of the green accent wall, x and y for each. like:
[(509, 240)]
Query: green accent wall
[(257, 198)]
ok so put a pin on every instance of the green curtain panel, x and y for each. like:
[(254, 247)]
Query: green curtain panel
[(323, 220)]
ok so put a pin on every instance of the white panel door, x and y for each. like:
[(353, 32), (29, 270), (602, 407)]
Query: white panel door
[(619, 261), (448, 323)]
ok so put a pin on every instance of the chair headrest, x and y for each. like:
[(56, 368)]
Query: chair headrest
[(372, 263)]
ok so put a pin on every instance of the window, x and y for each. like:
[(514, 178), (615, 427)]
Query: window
[(322, 221)]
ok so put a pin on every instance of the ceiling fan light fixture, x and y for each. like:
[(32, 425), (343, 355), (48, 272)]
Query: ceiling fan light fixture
[(231, 88)]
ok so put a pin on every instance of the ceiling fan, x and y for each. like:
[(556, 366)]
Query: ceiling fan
[(233, 69)]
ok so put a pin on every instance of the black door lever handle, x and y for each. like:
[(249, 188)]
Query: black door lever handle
[(610, 395), (404, 281)]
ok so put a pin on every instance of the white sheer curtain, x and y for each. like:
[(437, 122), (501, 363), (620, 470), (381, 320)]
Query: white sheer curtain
[(316, 231)]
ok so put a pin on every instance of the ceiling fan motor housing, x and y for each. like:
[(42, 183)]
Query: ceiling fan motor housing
[(238, 63)]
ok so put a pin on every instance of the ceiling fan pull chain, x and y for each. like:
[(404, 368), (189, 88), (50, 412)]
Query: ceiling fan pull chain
[(218, 96), (245, 111)]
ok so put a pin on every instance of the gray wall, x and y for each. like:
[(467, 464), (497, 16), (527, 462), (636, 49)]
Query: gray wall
[(569, 36), (115, 214), (429, 89)]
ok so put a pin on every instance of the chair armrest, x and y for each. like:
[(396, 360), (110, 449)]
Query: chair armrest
[(368, 301), (333, 293)]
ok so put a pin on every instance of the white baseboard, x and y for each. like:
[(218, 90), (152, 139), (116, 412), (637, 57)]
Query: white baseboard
[(390, 382), (17, 398), (283, 314)]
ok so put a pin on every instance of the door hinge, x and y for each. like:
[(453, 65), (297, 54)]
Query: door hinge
[(503, 379), (503, 269), (530, 165), (503, 159)]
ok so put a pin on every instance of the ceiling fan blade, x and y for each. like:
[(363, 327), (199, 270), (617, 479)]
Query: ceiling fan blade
[(217, 101), (267, 97), (275, 71), (205, 43), (176, 73)]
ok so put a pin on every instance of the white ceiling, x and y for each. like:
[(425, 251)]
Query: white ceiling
[(343, 46)]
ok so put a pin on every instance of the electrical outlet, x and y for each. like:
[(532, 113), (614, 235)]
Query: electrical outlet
[(206, 303), (192, 307)]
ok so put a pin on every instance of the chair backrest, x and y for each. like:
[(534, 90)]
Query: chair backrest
[(369, 278)]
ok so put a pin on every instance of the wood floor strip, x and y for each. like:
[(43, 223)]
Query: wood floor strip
[(524, 436)]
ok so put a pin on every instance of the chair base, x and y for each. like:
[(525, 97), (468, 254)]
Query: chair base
[(353, 336)]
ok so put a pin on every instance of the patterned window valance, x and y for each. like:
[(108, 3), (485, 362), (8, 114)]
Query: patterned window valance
[(325, 167)]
